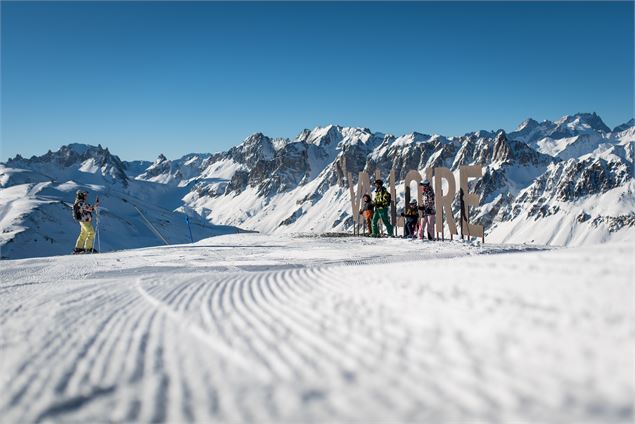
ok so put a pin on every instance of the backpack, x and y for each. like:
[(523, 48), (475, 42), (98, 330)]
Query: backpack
[(77, 211)]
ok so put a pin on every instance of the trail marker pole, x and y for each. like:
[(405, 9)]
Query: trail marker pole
[(97, 217), (187, 219)]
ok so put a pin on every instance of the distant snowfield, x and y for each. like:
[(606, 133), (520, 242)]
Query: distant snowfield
[(254, 328)]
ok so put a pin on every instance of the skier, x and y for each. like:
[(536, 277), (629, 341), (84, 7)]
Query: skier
[(428, 209), (83, 213), (367, 210), (381, 202), (410, 214)]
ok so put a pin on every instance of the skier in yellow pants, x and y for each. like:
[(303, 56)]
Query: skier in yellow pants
[(83, 213), (86, 238)]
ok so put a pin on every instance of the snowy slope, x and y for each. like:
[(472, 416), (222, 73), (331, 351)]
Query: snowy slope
[(36, 205), (253, 328), (587, 200), (598, 218)]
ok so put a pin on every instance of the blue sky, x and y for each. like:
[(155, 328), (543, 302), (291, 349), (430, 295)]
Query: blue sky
[(146, 78)]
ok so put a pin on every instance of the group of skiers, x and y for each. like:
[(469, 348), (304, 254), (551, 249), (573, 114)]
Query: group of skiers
[(83, 213), (419, 219)]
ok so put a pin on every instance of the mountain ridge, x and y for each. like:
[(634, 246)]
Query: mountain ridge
[(301, 184)]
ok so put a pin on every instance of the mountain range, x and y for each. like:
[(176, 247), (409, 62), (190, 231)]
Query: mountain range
[(563, 182)]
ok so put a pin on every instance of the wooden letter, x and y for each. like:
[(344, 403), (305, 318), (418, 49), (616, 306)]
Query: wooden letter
[(444, 201), (470, 199), (410, 177), (363, 187)]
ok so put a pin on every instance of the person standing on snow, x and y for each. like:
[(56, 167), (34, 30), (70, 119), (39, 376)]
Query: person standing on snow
[(429, 211), (367, 210), (411, 215), (83, 213), (381, 202)]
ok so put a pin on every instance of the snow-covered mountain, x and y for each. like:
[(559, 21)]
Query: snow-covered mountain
[(36, 197), (281, 187), (531, 131), (625, 126), (76, 161), (564, 182), (178, 172)]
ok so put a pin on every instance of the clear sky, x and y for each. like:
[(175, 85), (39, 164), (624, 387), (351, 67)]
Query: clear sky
[(147, 78)]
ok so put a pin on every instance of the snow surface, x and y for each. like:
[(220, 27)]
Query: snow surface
[(258, 328)]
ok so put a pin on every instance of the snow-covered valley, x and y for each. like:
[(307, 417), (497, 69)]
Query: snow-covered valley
[(274, 328)]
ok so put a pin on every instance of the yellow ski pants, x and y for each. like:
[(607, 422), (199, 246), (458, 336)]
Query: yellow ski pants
[(86, 236)]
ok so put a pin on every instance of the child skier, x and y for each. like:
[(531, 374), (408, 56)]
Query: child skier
[(381, 202), (411, 214), (83, 213), (428, 209), (367, 211)]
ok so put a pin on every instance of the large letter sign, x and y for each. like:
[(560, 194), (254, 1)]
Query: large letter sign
[(443, 201)]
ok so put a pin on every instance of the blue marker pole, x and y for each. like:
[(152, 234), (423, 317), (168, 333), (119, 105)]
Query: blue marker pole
[(187, 219)]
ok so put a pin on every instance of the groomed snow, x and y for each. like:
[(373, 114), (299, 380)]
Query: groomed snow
[(254, 328)]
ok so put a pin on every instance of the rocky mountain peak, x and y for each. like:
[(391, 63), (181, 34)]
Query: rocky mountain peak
[(501, 137), (580, 122), (255, 147), (527, 124), (625, 126), (502, 150), (480, 134), (88, 158), (330, 136), (304, 134), (531, 131), (255, 138)]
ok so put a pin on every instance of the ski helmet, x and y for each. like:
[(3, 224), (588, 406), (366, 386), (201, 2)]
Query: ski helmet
[(379, 182), (425, 183), (81, 194), (413, 202)]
